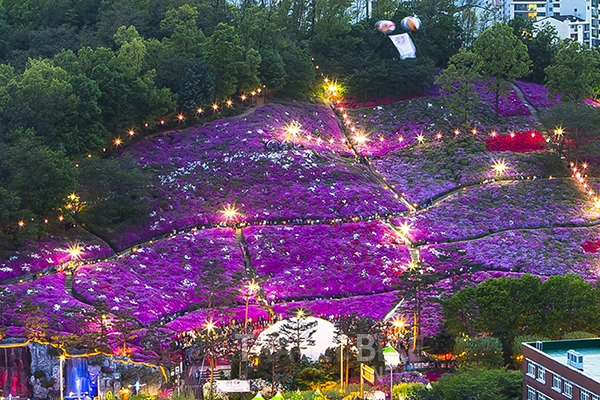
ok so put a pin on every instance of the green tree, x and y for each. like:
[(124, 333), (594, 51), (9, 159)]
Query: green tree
[(183, 33), (299, 332), (456, 83), (481, 384), (483, 352), (502, 57), (197, 85), (574, 73), (223, 53)]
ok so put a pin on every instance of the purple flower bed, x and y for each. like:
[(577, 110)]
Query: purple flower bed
[(541, 252), (197, 319), (201, 172), (537, 95), (324, 260), (509, 104), (424, 172), (374, 306), (50, 295), (162, 278), (51, 252), (498, 206)]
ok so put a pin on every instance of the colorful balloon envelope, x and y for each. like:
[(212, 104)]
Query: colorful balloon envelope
[(411, 23), (385, 26)]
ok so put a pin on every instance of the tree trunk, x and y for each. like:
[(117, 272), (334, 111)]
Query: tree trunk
[(212, 377)]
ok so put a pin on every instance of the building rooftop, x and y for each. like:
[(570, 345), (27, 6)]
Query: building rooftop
[(588, 348)]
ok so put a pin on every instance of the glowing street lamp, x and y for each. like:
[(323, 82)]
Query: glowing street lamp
[(251, 288), (559, 132), (499, 167), (199, 110), (420, 138), (360, 138), (292, 130), (117, 142), (230, 212), (392, 358), (215, 107), (74, 251)]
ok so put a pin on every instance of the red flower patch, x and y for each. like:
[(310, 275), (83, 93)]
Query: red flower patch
[(520, 142), (591, 247)]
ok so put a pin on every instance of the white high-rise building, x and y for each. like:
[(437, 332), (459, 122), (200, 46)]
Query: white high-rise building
[(575, 19)]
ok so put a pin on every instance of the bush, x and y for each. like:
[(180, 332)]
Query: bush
[(405, 391), (481, 384), (483, 352)]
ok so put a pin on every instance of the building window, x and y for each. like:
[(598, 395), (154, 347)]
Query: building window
[(530, 369), (568, 389), (541, 374), (584, 395), (530, 393), (542, 396), (556, 383)]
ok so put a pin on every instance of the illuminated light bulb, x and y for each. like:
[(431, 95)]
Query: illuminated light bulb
[(331, 141), (456, 132), (180, 117), (345, 115), (300, 313), (532, 134), (398, 323), (512, 134), (326, 80), (89, 155), (438, 135), (45, 220), (360, 139), (381, 138), (131, 132), (571, 163), (162, 121), (559, 132), (146, 124), (243, 97), (209, 326), (258, 90), (405, 229), (493, 134), (199, 110), (253, 93), (21, 223), (229, 103), (316, 67), (230, 212), (400, 139), (591, 193), (584, 165), (215, 107), (74, 251), (578, 175), (292, 129), (420, 138), (61, 218), (474, 131), (499, 167), (597, 204), (117, 142), (309, 137)]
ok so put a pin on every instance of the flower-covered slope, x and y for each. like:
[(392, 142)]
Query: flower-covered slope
[(167, 276), (50, 253), (201, 171), (494, 207), (425, 171), (323, 260)]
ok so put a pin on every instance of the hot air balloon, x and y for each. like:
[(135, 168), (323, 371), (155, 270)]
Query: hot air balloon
[(411, 23), (385, 26)]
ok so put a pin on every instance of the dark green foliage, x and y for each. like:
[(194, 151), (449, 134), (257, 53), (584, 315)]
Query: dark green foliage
[(197, 86), (481, 384), (113, 190), (510, 307)]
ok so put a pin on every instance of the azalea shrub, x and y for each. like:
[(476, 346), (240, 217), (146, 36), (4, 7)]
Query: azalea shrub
[(520, 142), (537, 95), (555, 251), (494, 207), (167, 276), (52, 253), (326, 260), (424, 172), (509, 103)]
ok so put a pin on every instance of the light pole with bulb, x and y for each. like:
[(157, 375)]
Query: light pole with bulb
[(392, 358)]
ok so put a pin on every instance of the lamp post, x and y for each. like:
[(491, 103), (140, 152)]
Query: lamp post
[(61, 361), (392, 358), (251, 289)]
